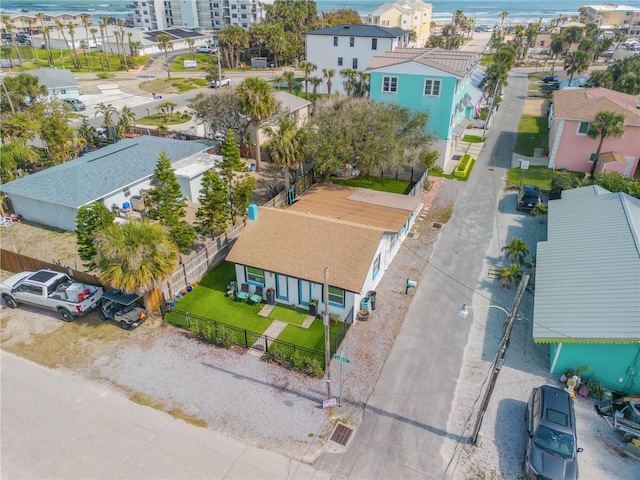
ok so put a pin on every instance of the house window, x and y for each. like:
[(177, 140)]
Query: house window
[(583, 128), (389, 84), (376, 267), (255, 276), (352, 41), (339, 61), (374, 44), (336, 297), (335, 41), (432, 88), (592, 158), (354, 64), (541, 43)]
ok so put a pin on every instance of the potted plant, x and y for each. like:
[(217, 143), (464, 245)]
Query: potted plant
[(363, 315), (596, 390), (313, 307), (271, 296)]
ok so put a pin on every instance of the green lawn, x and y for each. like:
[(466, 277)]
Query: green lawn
[(473, 139), (534, 175), (204, 62), (532, 132), (376, 183), (289, 315), (160, 119), (312, 338)]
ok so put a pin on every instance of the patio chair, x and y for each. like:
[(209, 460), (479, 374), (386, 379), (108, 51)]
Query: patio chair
[(256, 297), (243, 294)]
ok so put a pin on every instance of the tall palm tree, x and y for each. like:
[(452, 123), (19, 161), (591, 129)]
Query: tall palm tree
[(31, 23), (608, 124), (576, 62), (9, 27), (102, 24), (60, 28), (278, 44), (125, 61), (72, 32), (127, 114), (46, 36), (307, 68), (86, 22), (95, 42), (316, 82), (328, 73), (287, 144), (504, 14), (517, 250), (555, 47), (108, 111), (136, 256), (190, 43), (165, 43), (288, 77), (257, 102)]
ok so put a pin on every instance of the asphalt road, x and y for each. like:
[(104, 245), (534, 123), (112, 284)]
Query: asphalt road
[(57, 426), (405, 422)]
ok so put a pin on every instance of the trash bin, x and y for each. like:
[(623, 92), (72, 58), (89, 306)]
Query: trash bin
[(365, 304), (372, 295)]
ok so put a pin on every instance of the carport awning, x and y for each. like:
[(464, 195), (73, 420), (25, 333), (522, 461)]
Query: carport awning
[(459, 129)]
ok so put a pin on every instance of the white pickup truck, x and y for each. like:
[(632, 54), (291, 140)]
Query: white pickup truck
[(52, 290)]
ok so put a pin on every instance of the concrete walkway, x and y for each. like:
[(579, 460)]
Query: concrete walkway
[(462, 148)]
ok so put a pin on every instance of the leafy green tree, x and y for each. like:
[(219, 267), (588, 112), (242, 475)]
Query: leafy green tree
[(234, 174), (608, 124), (540, 210), (16, 154), (561, 181), (90, 220), (232, 39), (221, 112), (556, 47), (24, 90), (86, 131), (165, 43), (289, 78), (213, 213), (623, 76), (288, 144), (167, 204), (257, 102), (572, 36), (307, 68), (57, 133), (616, 182), (135, 256), (343, 16), (517, 250), (436, 41), (22, 125), (576, 62)]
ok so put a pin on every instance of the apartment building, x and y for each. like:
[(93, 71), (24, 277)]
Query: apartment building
[(21, 21), (617, 18), (412, 15)]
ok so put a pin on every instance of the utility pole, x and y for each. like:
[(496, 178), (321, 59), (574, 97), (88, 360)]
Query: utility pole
[(327, 333), (498, 362)]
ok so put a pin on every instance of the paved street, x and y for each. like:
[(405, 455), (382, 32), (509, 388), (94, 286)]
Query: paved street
[(405, 422), (57, 426)]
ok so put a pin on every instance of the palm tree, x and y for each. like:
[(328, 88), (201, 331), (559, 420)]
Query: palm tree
[(540, 210), (30, 23), (576, 62), (84, 45), (108, 111), (6, 19), (503, 15), (95, 42), (278, 45), (509, 275), (328, 73), (86, 22), (104, 21), (127, 114), (316, 82), (307, 68), (517, 250), (165, 43), (190, 43), (136, 256), (556, 46), (46, 36), (72, 31), (608, 124), (60, 28), (287, 144), (256, 101), (288, 77), (120, 24)]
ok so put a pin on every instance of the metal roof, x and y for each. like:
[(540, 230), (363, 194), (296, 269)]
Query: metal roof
[(588, 270), (360, 31), (453, 62), (104, 171), (54, 77)]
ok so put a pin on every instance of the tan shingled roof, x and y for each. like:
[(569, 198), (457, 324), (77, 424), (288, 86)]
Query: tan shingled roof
[(300, 245), (453, 62), (611, 157), (584, 103), (387, 211)]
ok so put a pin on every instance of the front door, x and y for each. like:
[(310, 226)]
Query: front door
[(282, 287), (304, 292)]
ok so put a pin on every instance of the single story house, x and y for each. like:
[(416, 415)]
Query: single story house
[(443, 83), (572, 113), (587, 302), (60, 83), (354, 232), (112, 175)]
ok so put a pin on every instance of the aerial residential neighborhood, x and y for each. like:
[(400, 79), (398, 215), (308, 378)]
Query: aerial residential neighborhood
[(387, 241)]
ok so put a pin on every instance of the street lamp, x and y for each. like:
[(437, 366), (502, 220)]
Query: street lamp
[(498, 361)]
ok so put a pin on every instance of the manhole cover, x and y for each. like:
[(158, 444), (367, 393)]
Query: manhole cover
[(341, 434), (437, 225)]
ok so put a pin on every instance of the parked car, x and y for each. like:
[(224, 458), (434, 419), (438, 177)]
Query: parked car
[(551, 450), (550, 78), (204, 49), (76, 104), (123, 308), (225, 82), (528, 197)]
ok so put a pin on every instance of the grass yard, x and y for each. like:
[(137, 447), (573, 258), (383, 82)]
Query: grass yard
[(473, 139), (532, 132), (161, 119), (376, 183), (311, 338), (209, 299), (176, 85), (204, 62), (535, 175), (289, 315)]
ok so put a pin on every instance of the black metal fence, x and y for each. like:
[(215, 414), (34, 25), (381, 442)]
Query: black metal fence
[(214, 331)]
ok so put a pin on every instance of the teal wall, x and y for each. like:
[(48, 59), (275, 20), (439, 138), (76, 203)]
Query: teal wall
[(608, 362), (410, 94)]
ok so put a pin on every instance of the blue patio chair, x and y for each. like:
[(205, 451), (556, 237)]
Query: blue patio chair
[(243, 294), (256, 297)]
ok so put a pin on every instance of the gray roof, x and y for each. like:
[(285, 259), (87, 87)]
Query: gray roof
[(588, 270), (360, 31), (449, 61), (289, 103), (99, 173), (54, 77)]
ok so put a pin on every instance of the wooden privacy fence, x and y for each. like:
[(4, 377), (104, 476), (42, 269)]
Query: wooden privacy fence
[(15, 262), (407, 173)]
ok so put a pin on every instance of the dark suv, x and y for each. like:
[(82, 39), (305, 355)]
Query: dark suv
[(551, 449), (528, 197)]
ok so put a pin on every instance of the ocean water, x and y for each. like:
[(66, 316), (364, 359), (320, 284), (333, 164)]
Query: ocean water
[(486, 12)]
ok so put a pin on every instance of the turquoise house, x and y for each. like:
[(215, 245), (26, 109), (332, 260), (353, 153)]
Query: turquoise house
[(587, 287), (443, 83)]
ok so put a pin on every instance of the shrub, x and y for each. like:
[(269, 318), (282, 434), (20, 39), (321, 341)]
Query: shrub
[(104, 75), (314, 367), (297, 361), (224, 337), (464, 166)]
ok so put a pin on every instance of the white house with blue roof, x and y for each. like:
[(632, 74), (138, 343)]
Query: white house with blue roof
[(112, 175), (350, 46)]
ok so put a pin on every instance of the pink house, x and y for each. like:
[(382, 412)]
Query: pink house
[(573, 110)]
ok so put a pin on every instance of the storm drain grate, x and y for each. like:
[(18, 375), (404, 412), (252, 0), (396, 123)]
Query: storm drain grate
[(341, 434), (437, 225)]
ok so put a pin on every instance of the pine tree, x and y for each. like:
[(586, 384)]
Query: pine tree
[(90, 220), (235, 175), (167, 205), (213, 213)]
